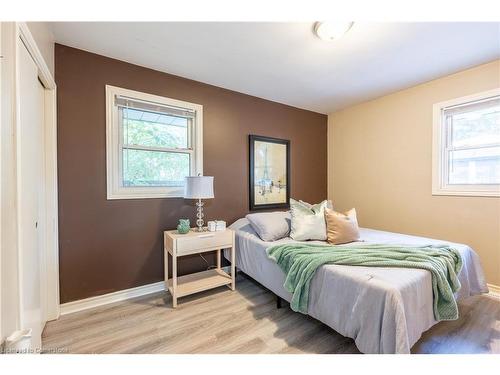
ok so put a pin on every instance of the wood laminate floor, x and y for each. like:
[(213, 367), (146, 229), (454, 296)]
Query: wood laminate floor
[(245, 321)]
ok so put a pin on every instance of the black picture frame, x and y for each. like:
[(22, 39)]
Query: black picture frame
[(253, 205)]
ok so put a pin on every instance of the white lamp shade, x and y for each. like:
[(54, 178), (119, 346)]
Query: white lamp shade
[(199, 187)]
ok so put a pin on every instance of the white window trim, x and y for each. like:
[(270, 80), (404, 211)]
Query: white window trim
[(439, 184), (113, 141)]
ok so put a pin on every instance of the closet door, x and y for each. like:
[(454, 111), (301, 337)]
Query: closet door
[(31, 196)]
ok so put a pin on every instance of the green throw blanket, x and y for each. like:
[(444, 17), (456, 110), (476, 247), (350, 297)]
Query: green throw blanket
[(299, 262)]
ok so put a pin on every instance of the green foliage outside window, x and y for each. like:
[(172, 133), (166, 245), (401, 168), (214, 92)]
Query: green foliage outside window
[(152, 167)]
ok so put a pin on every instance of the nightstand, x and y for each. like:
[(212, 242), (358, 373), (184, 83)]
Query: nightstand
[(193, 242)]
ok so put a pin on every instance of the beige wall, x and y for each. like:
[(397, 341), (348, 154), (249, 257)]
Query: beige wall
[(380, 155)]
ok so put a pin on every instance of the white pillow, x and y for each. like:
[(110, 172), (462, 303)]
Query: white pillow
[(308, 221), (329, 204), (270, 226)]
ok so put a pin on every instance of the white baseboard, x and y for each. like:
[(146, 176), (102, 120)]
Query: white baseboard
[(494, 290), (105, 299)]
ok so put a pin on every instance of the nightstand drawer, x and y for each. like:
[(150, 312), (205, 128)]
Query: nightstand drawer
[(203, 241)]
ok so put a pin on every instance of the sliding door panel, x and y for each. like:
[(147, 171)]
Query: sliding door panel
[(30, 199)]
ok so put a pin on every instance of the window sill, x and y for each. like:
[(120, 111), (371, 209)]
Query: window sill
[(469, 193), (138, 196), (144, 195)]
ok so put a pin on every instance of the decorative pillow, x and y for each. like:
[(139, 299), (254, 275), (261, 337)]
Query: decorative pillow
[(308, 221), (270, 226), (314, 207), (341, 228)]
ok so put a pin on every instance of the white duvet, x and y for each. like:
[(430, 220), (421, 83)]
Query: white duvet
[(385, 310)]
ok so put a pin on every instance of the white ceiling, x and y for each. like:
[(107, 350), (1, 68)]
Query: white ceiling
[(286, 63)]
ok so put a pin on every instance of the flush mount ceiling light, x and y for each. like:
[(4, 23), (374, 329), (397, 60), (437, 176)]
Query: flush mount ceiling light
[(330, 30)]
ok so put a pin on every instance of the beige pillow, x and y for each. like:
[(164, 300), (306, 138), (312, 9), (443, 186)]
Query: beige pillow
[(341, 228)]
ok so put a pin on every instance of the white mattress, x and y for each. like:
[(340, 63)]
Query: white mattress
[(385, 310)]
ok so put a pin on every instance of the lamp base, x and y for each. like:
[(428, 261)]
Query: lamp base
[(199, 215)]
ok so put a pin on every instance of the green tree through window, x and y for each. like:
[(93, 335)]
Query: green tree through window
[(152, 149)]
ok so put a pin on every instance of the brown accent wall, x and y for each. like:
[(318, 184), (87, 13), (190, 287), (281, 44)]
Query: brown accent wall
[(109, 245)]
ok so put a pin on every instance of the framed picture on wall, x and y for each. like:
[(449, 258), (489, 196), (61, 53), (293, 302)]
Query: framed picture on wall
[(269, 172)]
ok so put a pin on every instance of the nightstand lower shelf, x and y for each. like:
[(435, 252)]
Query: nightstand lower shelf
[(200, 281)]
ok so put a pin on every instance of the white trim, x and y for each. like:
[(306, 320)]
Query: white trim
[(105, 299), (494, 290), (8, 197), (114, 189), (439, 187), (1, 184), (43, 70), (51, 204)]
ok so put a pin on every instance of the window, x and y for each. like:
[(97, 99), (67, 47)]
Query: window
[(152, 143), (466, 148)]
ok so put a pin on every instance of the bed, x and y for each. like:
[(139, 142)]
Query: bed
[(385, 310)]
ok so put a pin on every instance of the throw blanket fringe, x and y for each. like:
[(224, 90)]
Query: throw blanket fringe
[(299, 262)]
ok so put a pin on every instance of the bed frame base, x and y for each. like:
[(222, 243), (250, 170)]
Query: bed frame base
[(278, 302)]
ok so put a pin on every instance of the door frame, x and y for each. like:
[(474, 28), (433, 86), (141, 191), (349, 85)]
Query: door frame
[(49, 132)]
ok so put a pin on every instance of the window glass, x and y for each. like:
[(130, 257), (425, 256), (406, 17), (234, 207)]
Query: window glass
[(476, 127), (475, 166), (473, 139), (154, 168), (154, 129)]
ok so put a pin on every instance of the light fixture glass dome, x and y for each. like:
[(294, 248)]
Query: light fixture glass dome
[(331, 30)]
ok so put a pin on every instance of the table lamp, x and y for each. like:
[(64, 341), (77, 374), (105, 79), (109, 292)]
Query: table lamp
[(199, 187)]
